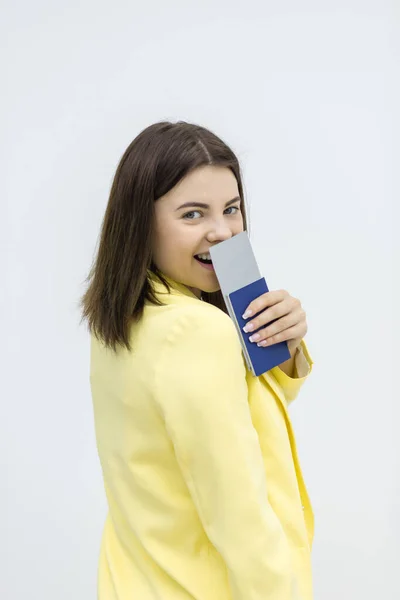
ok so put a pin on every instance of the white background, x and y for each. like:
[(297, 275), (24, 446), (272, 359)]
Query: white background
[(307, 94)]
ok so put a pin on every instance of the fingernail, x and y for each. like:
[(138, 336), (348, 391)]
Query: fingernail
[(248, 327), (255, 337), (247, 314)]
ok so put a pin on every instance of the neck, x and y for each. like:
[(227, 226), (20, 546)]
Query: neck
[(195, 291)]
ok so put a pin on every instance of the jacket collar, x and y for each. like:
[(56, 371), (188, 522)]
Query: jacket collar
[(176, 288)]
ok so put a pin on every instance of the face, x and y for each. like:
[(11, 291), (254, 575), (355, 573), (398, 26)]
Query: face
[(211, 214)]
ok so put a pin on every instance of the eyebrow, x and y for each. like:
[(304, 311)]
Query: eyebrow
[(202, 205)]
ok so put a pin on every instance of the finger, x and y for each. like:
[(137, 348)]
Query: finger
[(287, 305), (290, 320), (264, 301), (283, 336)]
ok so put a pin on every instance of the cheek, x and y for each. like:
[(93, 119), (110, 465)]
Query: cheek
[(173, 244), (164, 248), (182, 240)]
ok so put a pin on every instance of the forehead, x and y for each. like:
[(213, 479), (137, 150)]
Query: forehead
[(209, 184)]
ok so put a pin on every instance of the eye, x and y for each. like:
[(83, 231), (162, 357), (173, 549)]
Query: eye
[(187, 215), (237, 208)]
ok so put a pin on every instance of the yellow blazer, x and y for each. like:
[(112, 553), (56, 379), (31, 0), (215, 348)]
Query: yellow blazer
[(205, 492)]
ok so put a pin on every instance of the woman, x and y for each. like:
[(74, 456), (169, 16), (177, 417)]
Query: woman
[(205, 493)]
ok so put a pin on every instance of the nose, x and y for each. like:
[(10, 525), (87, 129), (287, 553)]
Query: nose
[(219, 232)]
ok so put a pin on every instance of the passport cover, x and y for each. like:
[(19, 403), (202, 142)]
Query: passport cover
[(259, 359)]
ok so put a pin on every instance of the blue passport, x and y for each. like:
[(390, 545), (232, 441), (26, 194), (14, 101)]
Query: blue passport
[(261, 359), (241, 282)]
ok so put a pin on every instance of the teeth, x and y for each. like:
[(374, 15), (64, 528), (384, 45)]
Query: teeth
[(205, 256)]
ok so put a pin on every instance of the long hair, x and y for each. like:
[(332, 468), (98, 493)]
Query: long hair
[(155, 161)]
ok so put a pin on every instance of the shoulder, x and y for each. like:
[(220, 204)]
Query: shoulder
[(203, 322), (187, 329), (200, 350), (192, 333)]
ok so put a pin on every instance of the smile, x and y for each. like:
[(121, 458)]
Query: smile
[(206, 263)]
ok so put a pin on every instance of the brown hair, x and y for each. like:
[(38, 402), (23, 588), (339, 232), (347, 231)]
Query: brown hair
[(157, 159)]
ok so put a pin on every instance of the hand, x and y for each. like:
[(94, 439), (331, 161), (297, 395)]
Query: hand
[(283, 316)]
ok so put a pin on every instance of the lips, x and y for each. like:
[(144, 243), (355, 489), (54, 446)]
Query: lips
[(206, 265)]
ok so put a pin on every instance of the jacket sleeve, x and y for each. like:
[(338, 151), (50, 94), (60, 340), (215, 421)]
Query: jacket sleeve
[(291, 386), (202, 394)]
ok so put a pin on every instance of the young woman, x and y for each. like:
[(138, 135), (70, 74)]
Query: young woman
[(205, 493)]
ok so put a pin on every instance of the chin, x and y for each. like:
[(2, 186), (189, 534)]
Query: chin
[(211, 289)]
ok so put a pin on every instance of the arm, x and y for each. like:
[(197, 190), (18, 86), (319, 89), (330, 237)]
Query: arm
[(301, 369), (202, 392)]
